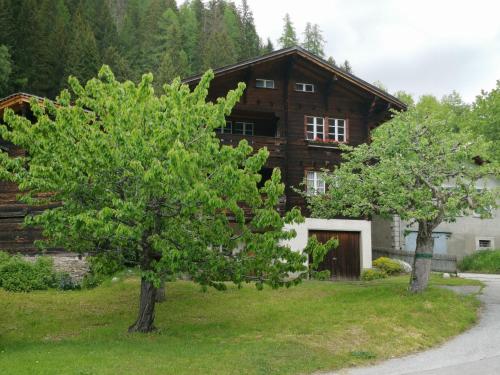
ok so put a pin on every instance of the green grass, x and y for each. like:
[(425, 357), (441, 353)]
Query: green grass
[(315, 326), (485, 261)]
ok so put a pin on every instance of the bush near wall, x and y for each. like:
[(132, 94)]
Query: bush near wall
[(19, 275), (388, 265), (484, 261)]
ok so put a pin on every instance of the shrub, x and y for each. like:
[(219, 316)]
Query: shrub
[(100, 267), (4, 257), (373, 274), (20, 275), (389, 266), (485, 261)]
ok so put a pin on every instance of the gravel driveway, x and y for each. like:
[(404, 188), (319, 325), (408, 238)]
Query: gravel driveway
[(477, 351)]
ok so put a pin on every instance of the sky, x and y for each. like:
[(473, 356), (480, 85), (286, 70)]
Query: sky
[(422, 47)]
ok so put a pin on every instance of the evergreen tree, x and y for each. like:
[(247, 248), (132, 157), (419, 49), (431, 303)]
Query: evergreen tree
[(173, 58), (346, 66), (313, 40), (130, 39), (331, 61), (190, 28), (250, 42), (83, 56), (5, 70), (121, 68), (7, 23), (218, 47), (289, 36), (267, 48), (53, 19)]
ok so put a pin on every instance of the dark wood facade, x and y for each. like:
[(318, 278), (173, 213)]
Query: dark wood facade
[(278, 118), (282, 110)]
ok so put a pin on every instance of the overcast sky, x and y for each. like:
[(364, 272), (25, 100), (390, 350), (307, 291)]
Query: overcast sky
[(423, 47)]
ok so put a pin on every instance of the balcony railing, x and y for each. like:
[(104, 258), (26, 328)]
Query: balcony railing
[(274, 144)]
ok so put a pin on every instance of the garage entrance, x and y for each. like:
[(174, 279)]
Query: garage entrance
[(344, 261)]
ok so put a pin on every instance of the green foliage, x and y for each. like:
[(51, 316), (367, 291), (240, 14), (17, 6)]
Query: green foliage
[(388, 265), (314, 41), (373, 274), (317, 251), (485, 121), (485, 261), (289, 36), (101, 267), (417, 166), (147, 175), (5, 69), (20, 275)]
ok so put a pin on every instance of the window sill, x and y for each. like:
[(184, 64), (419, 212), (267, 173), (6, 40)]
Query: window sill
[(334, 145)]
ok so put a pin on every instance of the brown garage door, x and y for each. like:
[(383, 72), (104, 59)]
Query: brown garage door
[(344, 261)]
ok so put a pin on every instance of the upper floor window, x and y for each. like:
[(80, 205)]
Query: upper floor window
[(315, 183), (325, 129), (304, 87), (264, 83), (336, 129), (315, 128), (237, 127), (240, 127)]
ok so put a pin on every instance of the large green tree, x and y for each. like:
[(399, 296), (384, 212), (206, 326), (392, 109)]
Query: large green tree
[(417, 166), (147, 174), (288, 36)]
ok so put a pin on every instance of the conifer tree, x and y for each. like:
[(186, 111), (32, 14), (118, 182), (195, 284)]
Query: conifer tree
[(267, 48), (190, 28), (5, 70), (250, 41), (313, 40), (346, 66), (289, 36), (83, 56), (7, 23)]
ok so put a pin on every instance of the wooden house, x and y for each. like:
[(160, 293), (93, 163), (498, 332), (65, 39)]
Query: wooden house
[(298, 106), (301, 108)]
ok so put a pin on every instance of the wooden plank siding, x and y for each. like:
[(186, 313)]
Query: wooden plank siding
[(278, 113)]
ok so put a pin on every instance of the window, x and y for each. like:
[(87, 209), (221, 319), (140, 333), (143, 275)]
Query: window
[(225, 130), (315, 184), (245, 128), (335, 130), (304, 87), (264, 83), (238, 127), (485, 243), (314, 128)]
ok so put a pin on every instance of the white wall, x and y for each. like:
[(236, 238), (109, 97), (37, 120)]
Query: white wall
[(362, 226)]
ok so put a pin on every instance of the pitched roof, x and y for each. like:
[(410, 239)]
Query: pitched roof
[(16, 99), (296, 50)]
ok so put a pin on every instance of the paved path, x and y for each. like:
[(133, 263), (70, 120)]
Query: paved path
[(477, 351)]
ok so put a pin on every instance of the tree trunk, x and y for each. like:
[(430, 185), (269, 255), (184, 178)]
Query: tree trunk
[(160, 293), (423, 258), (144, 322)]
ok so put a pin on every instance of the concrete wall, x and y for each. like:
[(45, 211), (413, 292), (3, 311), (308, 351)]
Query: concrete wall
[(362, 226), (463, 234)]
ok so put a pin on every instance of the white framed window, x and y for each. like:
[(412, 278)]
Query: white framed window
[(336, 129), (315, 183), (228, 129), (264, 83), (304, 87), (315, 128), (326, 129), (241, 127), (485, 243)]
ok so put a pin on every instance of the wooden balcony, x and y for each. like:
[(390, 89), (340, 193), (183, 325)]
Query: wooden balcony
[(274, 145)]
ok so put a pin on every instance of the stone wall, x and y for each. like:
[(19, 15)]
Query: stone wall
[(76, 266)]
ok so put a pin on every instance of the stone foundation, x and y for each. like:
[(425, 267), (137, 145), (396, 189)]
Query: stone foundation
[(74, 265)]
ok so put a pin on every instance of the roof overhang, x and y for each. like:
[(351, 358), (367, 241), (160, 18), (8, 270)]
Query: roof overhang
[(299, 51)]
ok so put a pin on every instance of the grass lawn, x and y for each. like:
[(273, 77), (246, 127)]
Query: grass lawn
[(315, 326)]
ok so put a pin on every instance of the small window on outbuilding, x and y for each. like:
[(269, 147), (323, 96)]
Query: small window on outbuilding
[(484, 243), (264, 83)]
